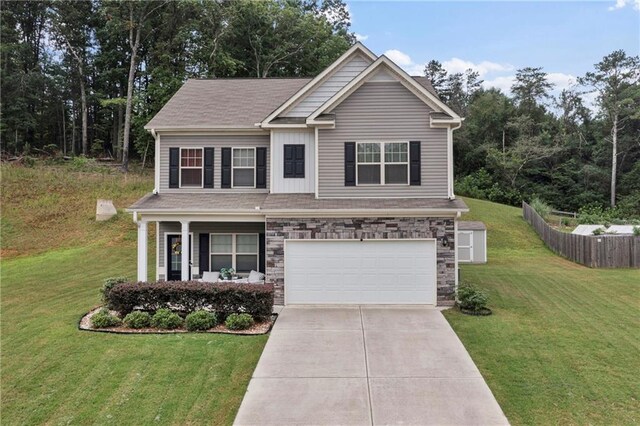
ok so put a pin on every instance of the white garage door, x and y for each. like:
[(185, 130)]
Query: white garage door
[(353, 271)]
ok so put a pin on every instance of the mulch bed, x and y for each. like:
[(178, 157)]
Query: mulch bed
[(257, 329), (479, 313)]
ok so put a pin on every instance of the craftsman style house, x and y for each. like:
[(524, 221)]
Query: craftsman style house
[(338, 188)]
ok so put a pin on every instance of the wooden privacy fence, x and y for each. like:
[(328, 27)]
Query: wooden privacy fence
[(601, 251)]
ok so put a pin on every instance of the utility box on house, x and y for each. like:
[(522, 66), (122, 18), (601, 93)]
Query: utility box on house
[(472, 242)]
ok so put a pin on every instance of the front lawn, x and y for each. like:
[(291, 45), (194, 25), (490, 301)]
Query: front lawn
[(52, 373), (563, 345)]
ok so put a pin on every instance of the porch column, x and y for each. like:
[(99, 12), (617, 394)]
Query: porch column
[(142, 250), (185, 251)]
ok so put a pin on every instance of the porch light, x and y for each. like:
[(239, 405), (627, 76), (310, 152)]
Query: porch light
[(445, 241)]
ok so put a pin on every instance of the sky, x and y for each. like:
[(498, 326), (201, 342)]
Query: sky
[(496, 38)]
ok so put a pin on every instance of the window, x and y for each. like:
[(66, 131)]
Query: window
[(294, 161), (191, 167), (382, 163), (238, 251), (244, 167)]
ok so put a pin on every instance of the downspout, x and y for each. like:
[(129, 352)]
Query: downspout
[(452, 196), (156, 160)]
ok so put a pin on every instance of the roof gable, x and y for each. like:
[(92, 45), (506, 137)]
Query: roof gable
[(383, 69), (358, 53)]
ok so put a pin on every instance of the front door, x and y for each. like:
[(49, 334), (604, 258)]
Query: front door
[(174, 257)]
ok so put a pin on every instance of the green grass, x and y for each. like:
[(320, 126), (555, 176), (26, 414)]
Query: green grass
[(51, 372), (563, 345)]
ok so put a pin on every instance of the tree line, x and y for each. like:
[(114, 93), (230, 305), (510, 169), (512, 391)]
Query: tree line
[(579, 149), (83, 77)]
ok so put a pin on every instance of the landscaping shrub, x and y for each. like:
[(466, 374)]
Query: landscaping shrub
[(108, 285), (636, 231), (472, 298), (165, 319), (103, 319), (201, 320), (238, 321), (542, 208), (189, 296), (137, 319)]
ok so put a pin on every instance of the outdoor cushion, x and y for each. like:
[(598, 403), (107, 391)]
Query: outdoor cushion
[(210, 277), (255, 277)]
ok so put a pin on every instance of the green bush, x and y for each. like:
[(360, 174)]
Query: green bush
[(598, 231), (238, 321), (137, 319), (636, 231), (542, 208), (165, 319), (472, 298), (201, 320), (103, 319), (108, 285)]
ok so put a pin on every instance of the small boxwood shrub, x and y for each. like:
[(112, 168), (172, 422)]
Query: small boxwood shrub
[(104, 319), (200, 320), (108, 285), (165, 319), (189, 296), (472, 298), (238, 321), (137, 319)]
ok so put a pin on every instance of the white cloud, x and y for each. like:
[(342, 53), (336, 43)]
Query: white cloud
[(400, 58), (361, 37), (502, 83), (455, 65), (622, 3), (559, 80)]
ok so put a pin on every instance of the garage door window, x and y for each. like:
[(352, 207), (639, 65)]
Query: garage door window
[(238, 251)]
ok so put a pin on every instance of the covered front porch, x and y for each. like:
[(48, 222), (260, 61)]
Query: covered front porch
[(213, 244)]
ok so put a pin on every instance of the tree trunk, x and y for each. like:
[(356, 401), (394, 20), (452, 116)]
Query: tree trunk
[(614, 159), (64, 130), (132, 74), (85, 114), (73, 130)]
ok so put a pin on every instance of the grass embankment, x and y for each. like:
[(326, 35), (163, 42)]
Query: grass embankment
[(51, 372), (563, 344)]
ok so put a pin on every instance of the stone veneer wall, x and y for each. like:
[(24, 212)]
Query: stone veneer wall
[(277, 230)]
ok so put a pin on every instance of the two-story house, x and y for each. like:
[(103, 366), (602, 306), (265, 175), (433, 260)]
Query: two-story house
[(339, 188)]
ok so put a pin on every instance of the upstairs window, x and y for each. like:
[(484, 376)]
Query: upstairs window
[(244, 167), (191, 167), (382, 163)]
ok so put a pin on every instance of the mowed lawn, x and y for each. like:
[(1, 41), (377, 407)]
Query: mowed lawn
[(563, 345), (52, 373)]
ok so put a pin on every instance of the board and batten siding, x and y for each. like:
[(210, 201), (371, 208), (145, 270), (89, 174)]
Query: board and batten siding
[(280, 138), (196, 228), (216, 141), (329, 87), (382, 111)]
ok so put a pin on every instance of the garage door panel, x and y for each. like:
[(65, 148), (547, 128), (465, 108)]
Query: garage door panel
[(352, 271)]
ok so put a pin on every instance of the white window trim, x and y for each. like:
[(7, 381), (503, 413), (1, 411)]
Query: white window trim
[(234, 253), (253, 148), (382, 163), (191, 168)]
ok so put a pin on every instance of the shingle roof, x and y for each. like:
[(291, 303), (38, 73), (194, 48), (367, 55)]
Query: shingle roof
[(468, 225), (426, 83), (247, 202), (225, 102)]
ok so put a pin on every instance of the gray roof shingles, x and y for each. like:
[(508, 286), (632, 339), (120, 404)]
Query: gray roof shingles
[(217, 202), (469, 225)]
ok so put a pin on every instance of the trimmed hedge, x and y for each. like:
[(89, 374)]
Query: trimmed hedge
[(137, 319), (238, 321), (189, 296), (200, 320)]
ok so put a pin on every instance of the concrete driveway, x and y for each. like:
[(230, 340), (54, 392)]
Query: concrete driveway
[(366, 365)]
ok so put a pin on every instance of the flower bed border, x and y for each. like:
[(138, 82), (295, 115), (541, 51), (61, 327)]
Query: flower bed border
[(273, 318)]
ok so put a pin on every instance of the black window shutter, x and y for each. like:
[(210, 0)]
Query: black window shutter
[(208, 167), (414, 163), (349, 164), (294, 161), (261, 253), (225, 168), (204, 253), (174, 167), (261, 167)]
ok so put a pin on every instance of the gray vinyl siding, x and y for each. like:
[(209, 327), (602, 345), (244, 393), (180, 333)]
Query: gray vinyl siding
[(294, 185), (382, 111), (196, 229), (216, 141), (329, 87)]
